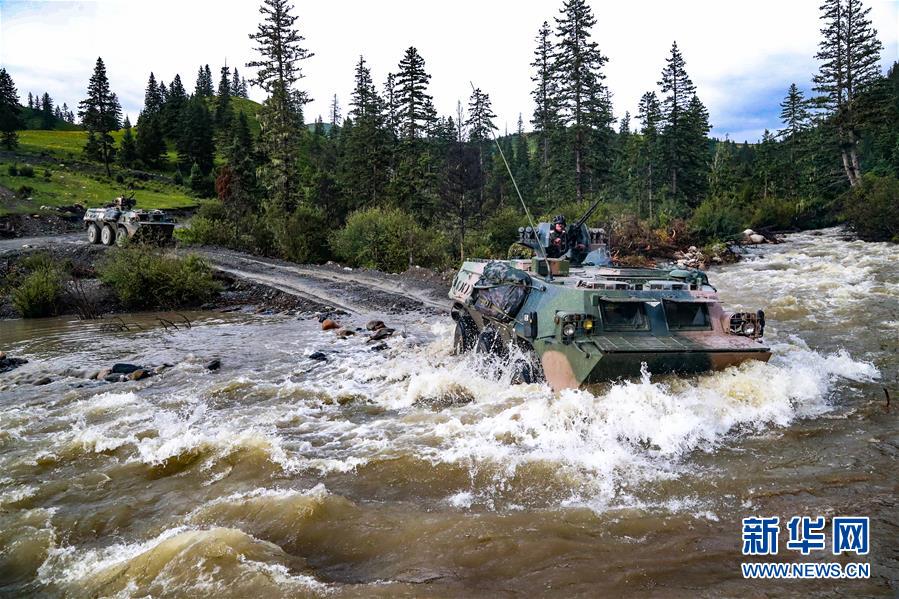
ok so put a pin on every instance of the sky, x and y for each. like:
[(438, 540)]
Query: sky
[(742, 56)]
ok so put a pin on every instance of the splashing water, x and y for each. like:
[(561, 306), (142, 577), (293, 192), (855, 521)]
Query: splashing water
[(375, 472)]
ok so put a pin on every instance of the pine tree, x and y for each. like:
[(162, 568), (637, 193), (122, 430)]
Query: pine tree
[(794, 114), (279, 44), (223, 111), (480, 128), (174, 105), (239, 195), (46, 111), (30, 100), (364, 164), (204, 87), (150, 145), (163, 92), (583, 99), (849, 52), (235, 84), (415, 110), (695, 157), (244, 90), (127, 147), (649, 153), (194, 144), (10, 113), (334, 115), (678, 90), (545, 93), (390, 105), (100, 113)]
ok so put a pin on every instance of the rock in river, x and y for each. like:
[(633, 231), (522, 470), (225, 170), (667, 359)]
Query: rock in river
[(123, 368), (328, 324), (374, 325), (213, 364)]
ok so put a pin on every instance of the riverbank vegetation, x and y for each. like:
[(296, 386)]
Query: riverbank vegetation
[(421, 187)]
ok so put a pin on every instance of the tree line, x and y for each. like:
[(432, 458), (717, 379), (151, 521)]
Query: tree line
[(287, 188)]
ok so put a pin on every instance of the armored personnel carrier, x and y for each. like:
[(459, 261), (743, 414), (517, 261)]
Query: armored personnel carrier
[(580, 319), (120, 221)]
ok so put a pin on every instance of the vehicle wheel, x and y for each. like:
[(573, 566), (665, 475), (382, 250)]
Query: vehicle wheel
[(490, 342), (121, 237), (465, 336), (107, 235), (93, 233), (526, 372)]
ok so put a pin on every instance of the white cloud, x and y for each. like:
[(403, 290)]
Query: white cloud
[(742, 56)]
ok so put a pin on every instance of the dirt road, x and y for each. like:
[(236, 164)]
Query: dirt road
[(352, 290)]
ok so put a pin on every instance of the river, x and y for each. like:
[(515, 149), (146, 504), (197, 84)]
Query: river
[(412, 472)]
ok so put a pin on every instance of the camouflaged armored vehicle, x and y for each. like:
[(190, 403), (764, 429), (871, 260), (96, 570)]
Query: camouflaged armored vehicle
[(582, 320), (119, 222)]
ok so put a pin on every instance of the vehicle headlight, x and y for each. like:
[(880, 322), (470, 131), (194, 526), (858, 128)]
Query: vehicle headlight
[(588, 325), (569, 329)]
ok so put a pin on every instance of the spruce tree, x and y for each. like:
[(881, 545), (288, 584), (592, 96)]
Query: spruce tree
[(235, 84), (583, 99), (30, 100), (279, 45), (849, 52), (150, 144), (364, 163), (47, 120), (223, 111), (10, 112), (204, 87), (649, 152), (678, 89), (390, 105), (100, 113), (695, 157), (794, 114), (174, 104), (415, 110), (334, 115), (127, 147), (239, 196), (480, 128), (195, 144), (545, 92)]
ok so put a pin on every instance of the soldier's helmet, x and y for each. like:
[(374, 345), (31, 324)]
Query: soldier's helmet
[(558, 220)]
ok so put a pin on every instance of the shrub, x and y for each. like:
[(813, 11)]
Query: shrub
[(143, 278), (24, 192), (178, 178), (48, 174), (26, 170), (13, 170), (871, 209), (717, 218), (388, 239), (301, 236), (119, 178), (206, 231), (39, 294)]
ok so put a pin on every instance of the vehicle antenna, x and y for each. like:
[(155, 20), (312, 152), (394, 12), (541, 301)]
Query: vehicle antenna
[(542, 251)]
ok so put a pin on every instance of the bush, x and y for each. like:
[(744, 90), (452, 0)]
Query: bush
[(717, 218), (26, 170), (389, 239), (301, 236), (145, 279), (178, 178), (871, 209), (206, 231), (119, 178), (39, 294), (24, 192), (13, 170), (48, 174)]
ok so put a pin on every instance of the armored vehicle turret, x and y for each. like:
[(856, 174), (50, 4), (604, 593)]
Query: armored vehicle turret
[(120, 221), (581, 319)]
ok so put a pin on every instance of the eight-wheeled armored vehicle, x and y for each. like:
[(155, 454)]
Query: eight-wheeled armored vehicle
[(120, 221), (583, 320)]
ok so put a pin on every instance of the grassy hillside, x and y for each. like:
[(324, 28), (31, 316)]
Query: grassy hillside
[(34, 119), (65, 187), (65, 145)]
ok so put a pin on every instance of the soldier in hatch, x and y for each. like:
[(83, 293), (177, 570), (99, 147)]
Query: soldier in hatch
[(558, 238)]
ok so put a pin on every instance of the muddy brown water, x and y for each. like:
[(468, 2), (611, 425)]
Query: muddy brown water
[(410, 472)]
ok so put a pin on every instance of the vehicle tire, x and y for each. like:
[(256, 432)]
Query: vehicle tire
[(490, 342), (93, 233), (526, 372), (121, 237), (107, 235), (465, 336)]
